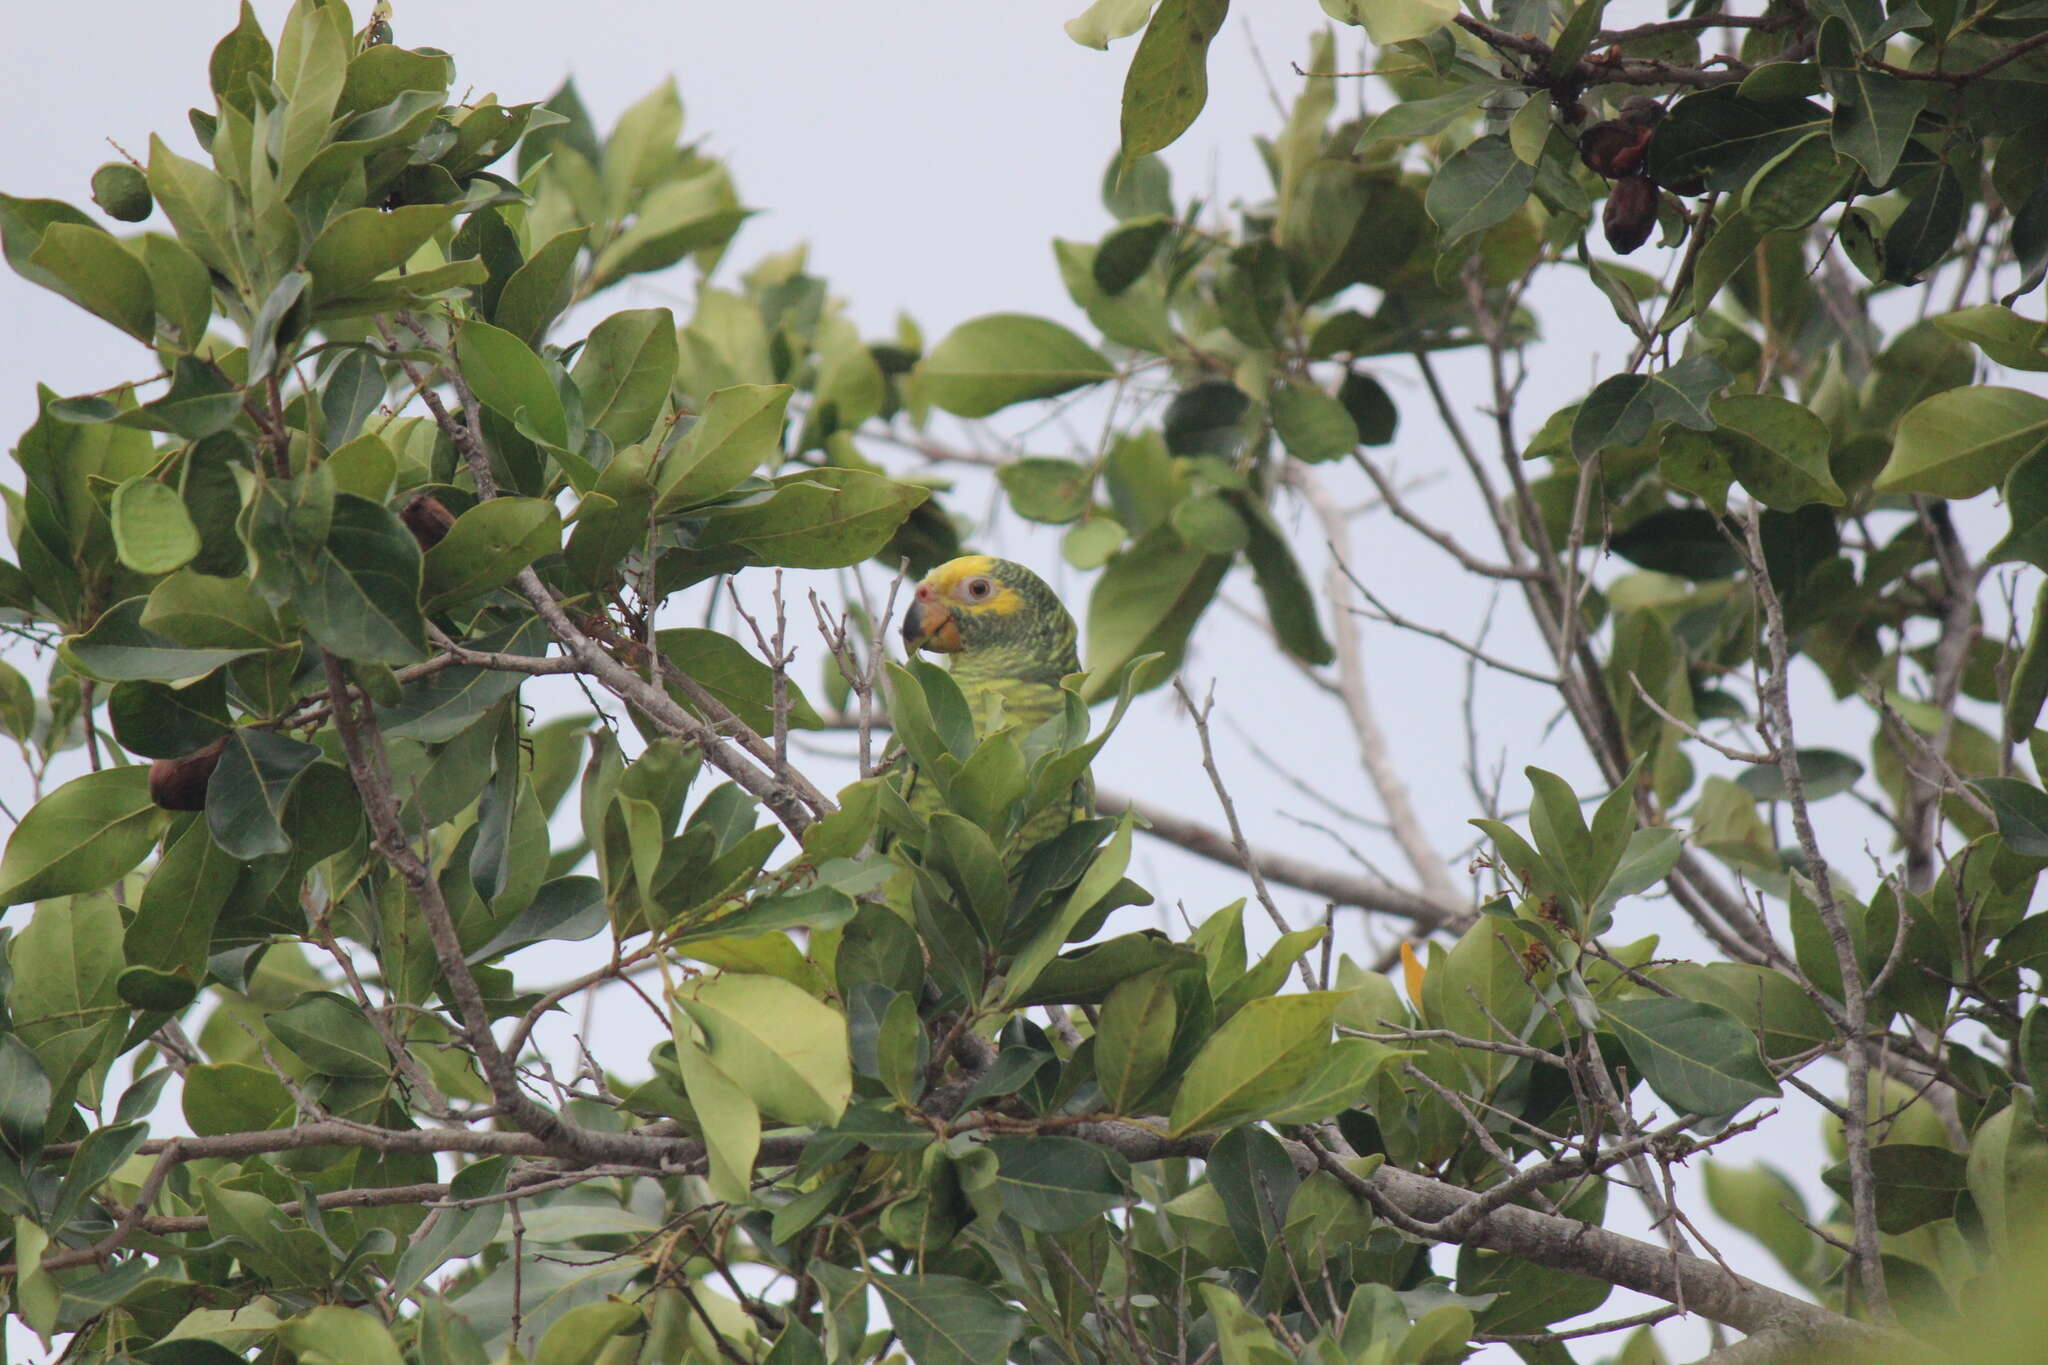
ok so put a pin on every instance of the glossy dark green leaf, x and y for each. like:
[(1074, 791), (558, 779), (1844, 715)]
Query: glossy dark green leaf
[(156, 720), (360, 595), (1916, 1184), (2022, 812), (1479, 186), (1874, 111), (173, 925), (486, 547), (1128, 251), (1696, 1056), (245, 800), (945, 1320), (1148, 600), (86, 834), (1054, 1184), (330, 1034), (24, 1098), (1926, 228), (1722, 138), (726, 669), (1290, 605)]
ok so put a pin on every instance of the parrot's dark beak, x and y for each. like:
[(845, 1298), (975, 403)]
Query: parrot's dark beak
[(929, 625)]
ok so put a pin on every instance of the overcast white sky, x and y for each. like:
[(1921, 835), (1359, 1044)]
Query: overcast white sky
[(928, 150)]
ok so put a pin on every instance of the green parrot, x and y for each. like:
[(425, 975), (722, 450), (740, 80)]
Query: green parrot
[(1010, 641)]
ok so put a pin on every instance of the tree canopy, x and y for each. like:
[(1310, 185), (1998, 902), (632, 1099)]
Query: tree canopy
[(274, 1082)]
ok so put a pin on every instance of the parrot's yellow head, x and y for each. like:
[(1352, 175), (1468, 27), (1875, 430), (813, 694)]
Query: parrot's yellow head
[(992, 612)]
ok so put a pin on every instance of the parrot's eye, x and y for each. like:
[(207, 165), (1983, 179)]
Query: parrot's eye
[(979, 589)]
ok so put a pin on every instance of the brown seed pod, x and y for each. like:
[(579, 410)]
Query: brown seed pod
[(1630, 214), (1614, 149), (1641, 111), (180, 783), (427, 518)]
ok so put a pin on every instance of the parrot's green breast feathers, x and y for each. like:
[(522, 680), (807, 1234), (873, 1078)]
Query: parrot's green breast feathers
[(1009, 640)]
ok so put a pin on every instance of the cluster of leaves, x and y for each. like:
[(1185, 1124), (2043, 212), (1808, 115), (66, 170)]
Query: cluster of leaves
[(314, 608)]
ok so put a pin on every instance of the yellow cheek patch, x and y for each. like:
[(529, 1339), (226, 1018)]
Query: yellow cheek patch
[(949, 581), (1003, 603)]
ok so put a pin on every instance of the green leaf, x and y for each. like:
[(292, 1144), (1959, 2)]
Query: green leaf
[(1107, 20), (363, 244), (85, 835), (817, 519), (1696, 1056), (64, 998), (1133, 1038), (200, 610), (89, 266), (1874, 111), (1045, 490), (509, 379), (1916, 1184), (234, 1097), (1481, 185), (783, 1047), (1777, 448), (1168, 82), (739, 430), (1722, 138), (698, 213), (1825, 773), (1963, 441), (173, 925), (1618, 412), (624, 372), (988, 363), (339, 1336), (1794, 187), (1408, 119), (540, 289), (361, 595), (1209, 522), (1129, 250), (1765, 1205), (1056, 1184), (1147, 601), (2021, 809), (1105, 870), (723, 667), (458, 1232), (312, 63), (583, 1335), (1255, 1062), (119, 648), (153, 534), (1394, 21), (1926, 228), (1311, 424), (945, 1320), (201, 207), (24, 1099), (329, 1033), (486, 547), (245, 800), (2004, 336)]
